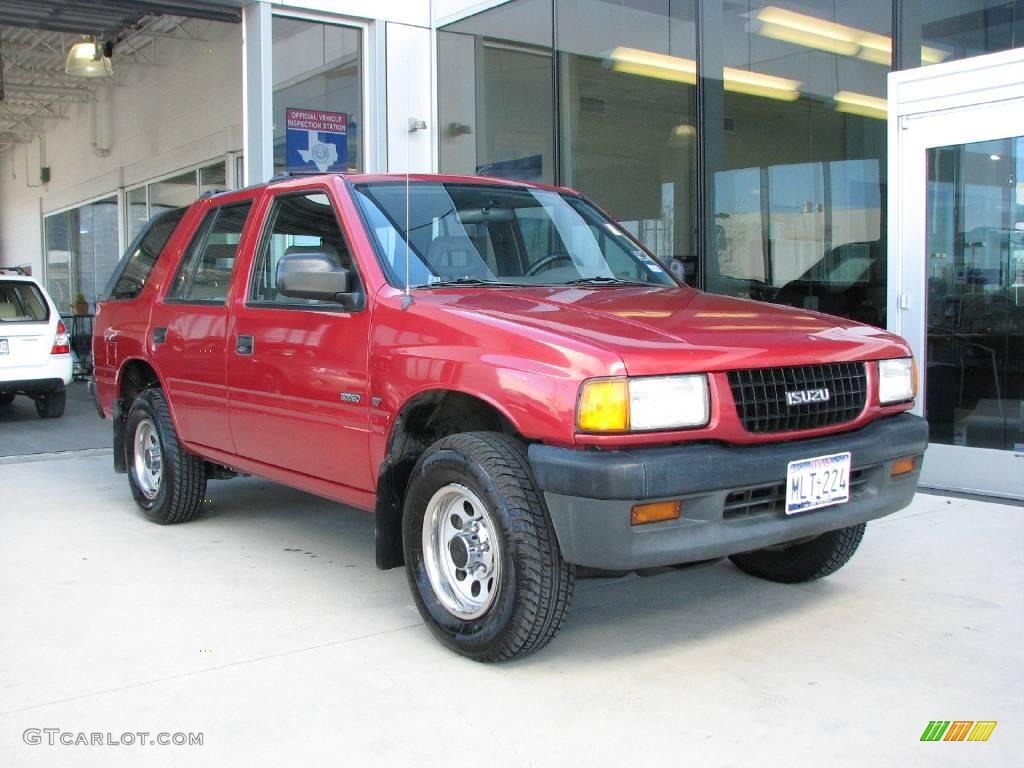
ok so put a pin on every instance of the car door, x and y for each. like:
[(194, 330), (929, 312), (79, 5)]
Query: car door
[(188, 327), (297, 369)]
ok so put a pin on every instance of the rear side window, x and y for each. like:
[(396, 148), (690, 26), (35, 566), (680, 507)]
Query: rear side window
[(22, 303), (204, 274), (132, 273)]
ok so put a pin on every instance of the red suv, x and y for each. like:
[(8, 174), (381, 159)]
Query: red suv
[(508, 379)]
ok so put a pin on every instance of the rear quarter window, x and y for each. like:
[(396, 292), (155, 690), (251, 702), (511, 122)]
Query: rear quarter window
[(133, 270), (22, 302)]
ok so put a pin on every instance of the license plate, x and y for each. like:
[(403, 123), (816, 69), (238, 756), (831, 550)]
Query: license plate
[(4, 347), (818, 482)]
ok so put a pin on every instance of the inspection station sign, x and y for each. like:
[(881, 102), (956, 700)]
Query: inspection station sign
[(317, 139)]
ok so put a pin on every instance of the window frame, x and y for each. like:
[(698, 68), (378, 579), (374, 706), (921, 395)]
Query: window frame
[(122, 264), (205, 236), (263, 248)]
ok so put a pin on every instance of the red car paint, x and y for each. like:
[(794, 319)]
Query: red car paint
[(525, 350)]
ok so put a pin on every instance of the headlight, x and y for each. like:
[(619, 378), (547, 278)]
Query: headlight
[(643, 404), (897, 380)]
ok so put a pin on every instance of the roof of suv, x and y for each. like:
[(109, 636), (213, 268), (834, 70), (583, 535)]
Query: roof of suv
[(370, 178)]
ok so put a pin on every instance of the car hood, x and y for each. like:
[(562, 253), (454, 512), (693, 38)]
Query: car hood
[(678, 330)]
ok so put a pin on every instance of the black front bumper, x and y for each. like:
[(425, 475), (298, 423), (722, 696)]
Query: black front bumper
[(729, 494)]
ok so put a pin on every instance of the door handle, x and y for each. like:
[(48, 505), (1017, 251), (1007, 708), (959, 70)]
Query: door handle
[(244, 345), (159, 335)]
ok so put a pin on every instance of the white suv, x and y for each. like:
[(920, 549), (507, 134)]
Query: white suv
[(35, 350)]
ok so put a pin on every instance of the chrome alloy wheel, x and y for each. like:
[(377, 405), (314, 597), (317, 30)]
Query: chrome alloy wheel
[(147, 459), (461, 551)]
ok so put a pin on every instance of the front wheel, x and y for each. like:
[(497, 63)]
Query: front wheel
[(803, 560), (167, 481), (481, 555)]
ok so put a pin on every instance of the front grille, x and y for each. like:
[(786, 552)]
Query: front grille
[(760, 395), (771, 499)]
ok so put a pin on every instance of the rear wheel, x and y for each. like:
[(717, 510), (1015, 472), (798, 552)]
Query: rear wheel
[(481, 555), (50, 405), (167, 481), (6, 398), (804, 560)]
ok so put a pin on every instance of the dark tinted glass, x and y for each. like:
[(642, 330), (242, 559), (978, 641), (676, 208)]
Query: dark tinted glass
[(799, 150), (131, 274), (496, 93), (956, 30)]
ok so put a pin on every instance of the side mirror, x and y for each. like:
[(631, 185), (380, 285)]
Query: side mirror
[(315, 275)]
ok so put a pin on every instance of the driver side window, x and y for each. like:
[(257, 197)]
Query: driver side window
[(299, 223)]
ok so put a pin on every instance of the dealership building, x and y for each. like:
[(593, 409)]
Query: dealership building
[(863, 158)]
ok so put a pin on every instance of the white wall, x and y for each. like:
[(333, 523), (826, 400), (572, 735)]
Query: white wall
[(155, 120)]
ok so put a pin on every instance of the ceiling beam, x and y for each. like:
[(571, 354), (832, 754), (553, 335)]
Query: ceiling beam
[(53, 90)]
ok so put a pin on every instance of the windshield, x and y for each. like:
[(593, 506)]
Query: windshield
[(482, 234)]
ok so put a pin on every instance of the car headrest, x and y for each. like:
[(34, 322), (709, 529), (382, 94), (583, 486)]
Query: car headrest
[(456, 256)]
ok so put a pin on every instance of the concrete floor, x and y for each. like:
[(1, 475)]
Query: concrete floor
[(23, 432), (265, 626)]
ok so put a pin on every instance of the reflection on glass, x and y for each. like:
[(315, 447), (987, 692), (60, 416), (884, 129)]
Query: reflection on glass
[(213, 178), (629, 116), (798, 197), (317, 67), (496, 93), (174, 192), (81, 251), (975, 268), (59, 247), (138, 212), (956, 30)]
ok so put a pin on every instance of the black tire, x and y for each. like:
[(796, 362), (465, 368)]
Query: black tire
[(50, 405), (803, 561), (176, 496), (534, 585), (6, 398)]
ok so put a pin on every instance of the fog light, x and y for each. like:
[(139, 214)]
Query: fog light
[(655, 513), (902, 466)]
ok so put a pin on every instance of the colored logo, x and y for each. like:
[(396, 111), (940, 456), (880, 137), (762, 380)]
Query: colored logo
[(958, 730)]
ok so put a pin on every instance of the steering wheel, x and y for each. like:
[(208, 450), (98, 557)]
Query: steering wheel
[(554, 258)]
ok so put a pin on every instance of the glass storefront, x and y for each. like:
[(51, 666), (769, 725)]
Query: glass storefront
[(758, 165), (957, 29), (975, 278), (81, 251), (175, 192), (798, 195), (627, 140), (317, 68)]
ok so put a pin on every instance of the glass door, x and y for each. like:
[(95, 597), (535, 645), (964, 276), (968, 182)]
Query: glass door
[(962, 274)]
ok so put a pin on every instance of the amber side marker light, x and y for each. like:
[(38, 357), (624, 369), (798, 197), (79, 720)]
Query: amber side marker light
[(902, 466), (655, 513)]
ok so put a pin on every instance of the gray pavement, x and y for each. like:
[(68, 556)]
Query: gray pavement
[(22, 431), (265, 626)]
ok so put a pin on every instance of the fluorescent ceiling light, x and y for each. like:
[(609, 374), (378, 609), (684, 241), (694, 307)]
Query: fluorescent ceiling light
[(861, 104), (86, 59), (812, 32), (633, 61)]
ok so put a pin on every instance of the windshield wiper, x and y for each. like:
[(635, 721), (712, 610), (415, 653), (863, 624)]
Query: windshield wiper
[(601, 280), (462, 281)]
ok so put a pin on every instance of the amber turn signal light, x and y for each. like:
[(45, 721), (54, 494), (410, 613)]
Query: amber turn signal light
[(902, 466), (657, 512)]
